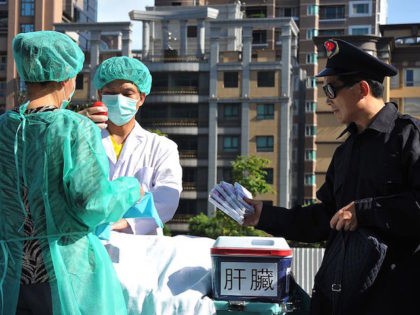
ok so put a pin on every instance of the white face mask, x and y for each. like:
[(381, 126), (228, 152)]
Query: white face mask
[(121, 109), (66, 102)]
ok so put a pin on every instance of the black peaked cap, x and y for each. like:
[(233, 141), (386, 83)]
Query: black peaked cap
[(346, 59)]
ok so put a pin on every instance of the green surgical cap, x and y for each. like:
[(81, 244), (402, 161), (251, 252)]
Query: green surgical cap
[(123, 68), (46, 56)]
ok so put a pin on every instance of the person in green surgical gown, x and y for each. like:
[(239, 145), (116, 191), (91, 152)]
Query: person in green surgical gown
[(54, 191)]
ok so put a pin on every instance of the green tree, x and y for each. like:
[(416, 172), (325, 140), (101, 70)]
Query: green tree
[(220, 225), (250, 172)]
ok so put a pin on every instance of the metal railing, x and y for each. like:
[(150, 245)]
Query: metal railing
[(305, 264), (175, 90), (185, 122)]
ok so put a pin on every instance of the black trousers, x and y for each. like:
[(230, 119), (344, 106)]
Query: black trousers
[(34, 299)]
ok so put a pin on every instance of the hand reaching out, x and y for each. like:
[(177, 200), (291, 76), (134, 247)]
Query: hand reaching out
[(253, 219), (345, 218)]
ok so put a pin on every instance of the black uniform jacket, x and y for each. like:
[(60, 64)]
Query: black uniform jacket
[(379, 169)]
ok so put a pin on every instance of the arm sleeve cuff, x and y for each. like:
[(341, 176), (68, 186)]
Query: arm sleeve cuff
[(367, 213)]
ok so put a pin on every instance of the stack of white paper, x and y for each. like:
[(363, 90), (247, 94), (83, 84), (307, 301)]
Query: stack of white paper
[(229, 199)]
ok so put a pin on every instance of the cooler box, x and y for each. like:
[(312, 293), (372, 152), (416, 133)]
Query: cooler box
[(251, 269)]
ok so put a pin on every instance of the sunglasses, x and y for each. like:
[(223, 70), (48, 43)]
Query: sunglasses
[(332, 91)]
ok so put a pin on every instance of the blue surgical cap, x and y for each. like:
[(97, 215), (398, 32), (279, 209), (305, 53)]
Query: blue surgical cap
[(46, 56), (123, 68)]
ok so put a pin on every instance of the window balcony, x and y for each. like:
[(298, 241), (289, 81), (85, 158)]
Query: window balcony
[(188, 154), (181, 122), (173, 58), (189, 186), (175, 90)]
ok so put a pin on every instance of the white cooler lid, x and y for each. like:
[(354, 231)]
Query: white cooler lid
[(251, 246)]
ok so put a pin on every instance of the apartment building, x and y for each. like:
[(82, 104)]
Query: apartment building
[(314, 18), (405, 86), (218, 95), (18, 16)]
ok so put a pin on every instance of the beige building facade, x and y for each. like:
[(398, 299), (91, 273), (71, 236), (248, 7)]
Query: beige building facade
[(312, 142), (18, 16)]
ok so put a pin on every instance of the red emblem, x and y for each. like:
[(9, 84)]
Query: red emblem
[(332, 48)]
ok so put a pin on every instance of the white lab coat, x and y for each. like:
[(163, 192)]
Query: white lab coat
[(154, 161)]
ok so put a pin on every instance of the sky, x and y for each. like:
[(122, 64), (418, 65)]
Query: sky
[(399, 11), (117, 11)]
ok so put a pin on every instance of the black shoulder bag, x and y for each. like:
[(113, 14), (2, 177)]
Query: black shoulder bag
[(349, 267)]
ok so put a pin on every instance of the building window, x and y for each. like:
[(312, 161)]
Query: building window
[(311, 33), (395, 81), (310, 107), (331, 32), (310, 155), (3, 62), (265, 111), (26, 28), (256, 12), (312, 58), (295, 131), (192, 31), (294, 155), (288, 12), (231, 111), (310, 130), (360, 8), (79, 82), (310, 179), (225, 174), (332, 12), (265, 79), (312, 9), (412, 106), (259, 37), (231, 144), (311, 82), (269, 175), (189, 174), (415, 40), (295, 107), (360, 30), (27, 8), (230, 79), (2, 89), (412, 77), (265, 143)]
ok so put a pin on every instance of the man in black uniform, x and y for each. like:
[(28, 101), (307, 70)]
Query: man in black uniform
[(369, 210)]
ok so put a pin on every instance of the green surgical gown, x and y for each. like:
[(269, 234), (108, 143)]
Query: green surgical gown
[(56, 159)]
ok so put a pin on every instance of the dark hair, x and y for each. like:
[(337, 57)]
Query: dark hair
[(43, 83), (376, 87)]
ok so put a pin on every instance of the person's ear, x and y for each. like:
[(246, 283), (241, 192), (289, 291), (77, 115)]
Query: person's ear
[(100, 95), (364, 88), (141, 100)]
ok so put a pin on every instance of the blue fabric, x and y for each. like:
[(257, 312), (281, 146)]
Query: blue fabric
[(143, 209)]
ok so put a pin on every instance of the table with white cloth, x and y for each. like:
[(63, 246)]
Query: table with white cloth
[(163, 275)]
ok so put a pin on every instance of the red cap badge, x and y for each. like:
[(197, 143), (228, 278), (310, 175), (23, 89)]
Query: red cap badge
[(331, 47)]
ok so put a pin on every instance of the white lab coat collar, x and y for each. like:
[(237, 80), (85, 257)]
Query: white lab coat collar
[(134, 137)]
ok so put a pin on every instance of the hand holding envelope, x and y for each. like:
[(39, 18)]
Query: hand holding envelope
[(229, 199)]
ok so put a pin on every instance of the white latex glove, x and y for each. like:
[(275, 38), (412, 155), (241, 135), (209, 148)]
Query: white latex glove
[(93, 114)]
